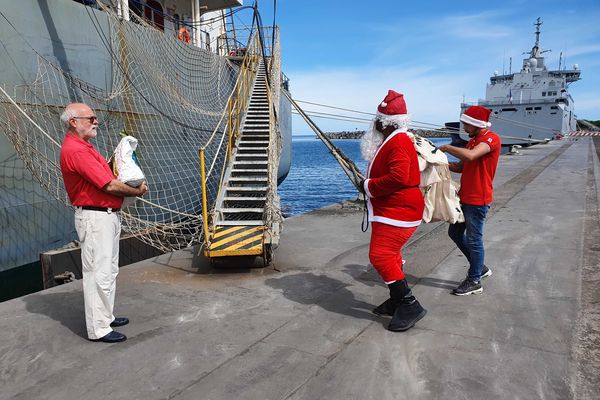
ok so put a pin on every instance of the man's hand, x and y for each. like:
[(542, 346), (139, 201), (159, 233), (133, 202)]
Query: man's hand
[(361, 186), (444, 148), (143, 188)]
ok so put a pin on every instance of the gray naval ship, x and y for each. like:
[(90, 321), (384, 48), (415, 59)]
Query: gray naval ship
[(533, 104)]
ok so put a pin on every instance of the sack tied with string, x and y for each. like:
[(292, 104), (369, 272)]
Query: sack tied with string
[(440, 192), (126, 166)]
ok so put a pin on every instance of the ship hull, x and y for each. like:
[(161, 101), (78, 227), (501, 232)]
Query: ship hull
[(32, 220)]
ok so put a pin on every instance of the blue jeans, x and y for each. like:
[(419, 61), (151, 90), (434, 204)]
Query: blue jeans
[(468, 236)]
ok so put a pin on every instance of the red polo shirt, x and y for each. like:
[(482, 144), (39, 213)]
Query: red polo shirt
[(476, 181), (85, 172)]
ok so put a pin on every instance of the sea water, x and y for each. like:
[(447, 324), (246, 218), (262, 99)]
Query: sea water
[(316, 179)]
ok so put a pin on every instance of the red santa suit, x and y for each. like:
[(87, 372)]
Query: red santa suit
[(395, 202)]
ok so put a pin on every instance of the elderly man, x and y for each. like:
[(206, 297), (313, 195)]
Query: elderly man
[(478, 162), (395, 205), (97, 197)]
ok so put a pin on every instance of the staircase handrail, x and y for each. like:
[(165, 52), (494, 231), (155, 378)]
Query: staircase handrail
[(234, 108)]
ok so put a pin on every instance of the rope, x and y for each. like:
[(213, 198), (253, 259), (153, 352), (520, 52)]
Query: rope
[(350, 169)]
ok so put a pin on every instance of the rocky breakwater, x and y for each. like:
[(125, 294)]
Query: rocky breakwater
[(359, 134)]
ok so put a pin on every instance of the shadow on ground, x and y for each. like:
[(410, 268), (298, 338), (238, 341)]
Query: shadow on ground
[(66, 308), (323, 291)]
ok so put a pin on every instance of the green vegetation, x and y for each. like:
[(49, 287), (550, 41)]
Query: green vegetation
[(587, 125)]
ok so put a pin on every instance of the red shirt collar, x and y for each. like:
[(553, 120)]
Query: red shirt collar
[(78, 139)]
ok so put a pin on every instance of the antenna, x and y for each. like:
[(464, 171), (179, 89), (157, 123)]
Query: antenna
[(560, 60), (510, 66), (503, 60), (537, 24)]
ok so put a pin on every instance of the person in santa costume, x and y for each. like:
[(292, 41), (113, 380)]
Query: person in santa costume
[(478, 162), (395, 205)]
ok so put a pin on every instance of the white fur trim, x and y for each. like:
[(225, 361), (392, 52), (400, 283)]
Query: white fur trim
[(383, 104), (366, 187), (389, 221), (475, 122)]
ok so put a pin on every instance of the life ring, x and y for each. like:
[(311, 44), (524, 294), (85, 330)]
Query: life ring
[(184, 35)]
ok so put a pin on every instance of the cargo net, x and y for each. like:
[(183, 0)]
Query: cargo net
[(170, 95)]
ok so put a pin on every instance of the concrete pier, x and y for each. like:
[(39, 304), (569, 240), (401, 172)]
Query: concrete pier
[(305, 329)]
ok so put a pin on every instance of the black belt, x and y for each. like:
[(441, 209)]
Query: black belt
[(105, 209)]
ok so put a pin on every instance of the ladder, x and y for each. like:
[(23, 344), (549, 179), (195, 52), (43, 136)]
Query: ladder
[(239, 225)]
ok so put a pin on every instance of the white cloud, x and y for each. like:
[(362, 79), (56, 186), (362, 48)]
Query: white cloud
[(429, 97), (476, 26)]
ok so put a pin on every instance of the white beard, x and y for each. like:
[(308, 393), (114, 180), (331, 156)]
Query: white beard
[(370, 142)]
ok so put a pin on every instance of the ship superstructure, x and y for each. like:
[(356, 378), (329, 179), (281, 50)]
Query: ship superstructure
[(533, 104)]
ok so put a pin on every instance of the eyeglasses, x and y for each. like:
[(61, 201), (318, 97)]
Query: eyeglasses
[(92, 119)]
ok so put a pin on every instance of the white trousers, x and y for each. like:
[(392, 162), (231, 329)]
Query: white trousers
[(99, 234)]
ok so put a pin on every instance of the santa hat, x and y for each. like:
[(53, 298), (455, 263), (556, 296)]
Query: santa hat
[(477, 116), (393, 110)]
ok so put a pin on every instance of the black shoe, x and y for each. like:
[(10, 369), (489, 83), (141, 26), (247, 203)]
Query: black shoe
[(119, 322), (386, 308), (468, 287), (406, 316), (112, 337), (485, 272)]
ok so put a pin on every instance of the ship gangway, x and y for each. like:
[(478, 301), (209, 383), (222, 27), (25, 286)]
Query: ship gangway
[(245, 220)]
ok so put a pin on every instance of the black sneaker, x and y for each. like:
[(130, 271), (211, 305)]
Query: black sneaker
[(468, 287), (485, 272)]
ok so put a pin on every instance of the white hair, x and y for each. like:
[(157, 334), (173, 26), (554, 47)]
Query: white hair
[(399, 121), (67, 115), (370, 142), (372, 138)]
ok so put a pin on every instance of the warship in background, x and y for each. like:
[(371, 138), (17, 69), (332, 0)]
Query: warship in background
[(534, 104)]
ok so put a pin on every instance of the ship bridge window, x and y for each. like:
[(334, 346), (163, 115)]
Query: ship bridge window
[(153, 13), (554, 107), (509, 109), (537, 108), (529, 108), (544, 94)]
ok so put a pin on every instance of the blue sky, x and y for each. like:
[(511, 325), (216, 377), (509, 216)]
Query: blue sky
[(348, 54)]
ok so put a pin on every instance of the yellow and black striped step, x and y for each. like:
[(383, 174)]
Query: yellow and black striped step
[(236, 241)]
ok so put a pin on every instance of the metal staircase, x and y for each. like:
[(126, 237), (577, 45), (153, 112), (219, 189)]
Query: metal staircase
[(239, 212)]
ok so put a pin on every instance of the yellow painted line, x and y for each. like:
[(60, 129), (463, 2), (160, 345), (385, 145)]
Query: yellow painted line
[(255, 251), (220, 232), (231, 238), (245, 242)]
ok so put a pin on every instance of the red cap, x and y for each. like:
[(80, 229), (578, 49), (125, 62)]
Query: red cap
[(393, 104), (477, 116)]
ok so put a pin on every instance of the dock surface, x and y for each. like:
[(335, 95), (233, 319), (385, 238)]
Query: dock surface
[(305, 329)]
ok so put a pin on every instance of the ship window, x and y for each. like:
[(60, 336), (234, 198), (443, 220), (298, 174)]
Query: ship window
[(509, 109), (537, 108), (554, 107), (529, 108), (544, 94)]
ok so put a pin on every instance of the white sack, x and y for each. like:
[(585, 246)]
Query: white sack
[(128, 171), (440, 193)]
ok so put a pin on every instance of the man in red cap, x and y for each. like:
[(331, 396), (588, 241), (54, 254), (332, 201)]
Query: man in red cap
[(478, 162), (395, 205)]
